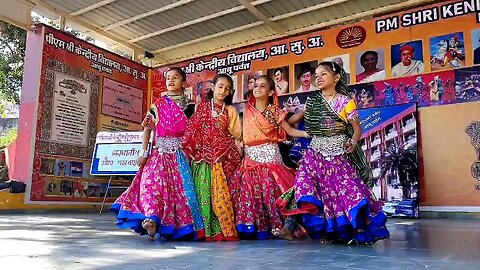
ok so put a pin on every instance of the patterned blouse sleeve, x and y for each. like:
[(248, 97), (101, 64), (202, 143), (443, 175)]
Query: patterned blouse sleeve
[(282, 114), (351, 110), (277, 114), (274, 114)]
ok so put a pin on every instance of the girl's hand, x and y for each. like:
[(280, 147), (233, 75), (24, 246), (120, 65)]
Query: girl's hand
[(305, 135), (141, 161), (148, 121), (350, 146), (239, 145)]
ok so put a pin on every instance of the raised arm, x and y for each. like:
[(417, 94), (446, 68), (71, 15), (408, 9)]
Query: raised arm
[(148, 125), (297, 117), (291, 131), (352, 117)]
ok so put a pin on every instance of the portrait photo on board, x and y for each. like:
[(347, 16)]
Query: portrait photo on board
[(370, 66), (343, 61), (447, 51), (407, 59), (202, 90), (280, 77), (248, 83), (305, 77), (476, 46)]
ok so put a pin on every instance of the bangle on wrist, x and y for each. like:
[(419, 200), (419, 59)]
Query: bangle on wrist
[(143, 153)]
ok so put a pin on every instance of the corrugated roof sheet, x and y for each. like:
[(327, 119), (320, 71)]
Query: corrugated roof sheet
[(71, 6), (204, 29), (179, 15), (276, 8), (122, 9)]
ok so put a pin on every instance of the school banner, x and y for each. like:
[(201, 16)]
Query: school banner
[(83, 90), (428, 56), (375, 118), (415, 45), (116, 153)]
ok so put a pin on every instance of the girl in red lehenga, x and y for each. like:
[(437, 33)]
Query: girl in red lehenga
[(262, 177), (210, 142)]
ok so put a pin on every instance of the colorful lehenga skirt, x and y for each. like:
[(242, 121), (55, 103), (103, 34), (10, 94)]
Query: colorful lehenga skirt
[(346, 208), (259, 181), (215, 200), (164, 192)]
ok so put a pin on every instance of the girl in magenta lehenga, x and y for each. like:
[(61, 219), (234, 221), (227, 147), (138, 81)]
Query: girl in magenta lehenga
[(161, 198), (333, 172)]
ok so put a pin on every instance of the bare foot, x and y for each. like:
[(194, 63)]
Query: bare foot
[(326, 241), (150, 226), (283, 234)]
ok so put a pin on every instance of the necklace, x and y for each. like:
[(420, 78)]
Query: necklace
[(181, 100), (214, 113), (331, 99), (258, 109)]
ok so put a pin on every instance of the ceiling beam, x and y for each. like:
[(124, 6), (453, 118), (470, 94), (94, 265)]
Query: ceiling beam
[(41, 5), (381, 10), (91, 7), (219, 34), (257, 13), (185, 24), (247, 26), (146, 14), (308, 9), (16, 19), (196, 21)]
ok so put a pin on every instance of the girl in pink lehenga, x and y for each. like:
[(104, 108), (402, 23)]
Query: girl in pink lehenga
[(161, 198)]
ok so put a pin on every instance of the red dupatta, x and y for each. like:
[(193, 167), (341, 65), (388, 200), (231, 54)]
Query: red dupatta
[(207, 138)]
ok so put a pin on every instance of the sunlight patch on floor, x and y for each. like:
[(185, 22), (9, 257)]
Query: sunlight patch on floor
[(24, 248), (47, 219), (154, 253)]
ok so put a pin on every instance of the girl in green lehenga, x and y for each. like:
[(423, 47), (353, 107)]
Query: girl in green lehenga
[(210, 141)]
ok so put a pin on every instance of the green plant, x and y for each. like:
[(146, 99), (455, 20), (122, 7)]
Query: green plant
[(404, 162), (8, 138), (12, 53)]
